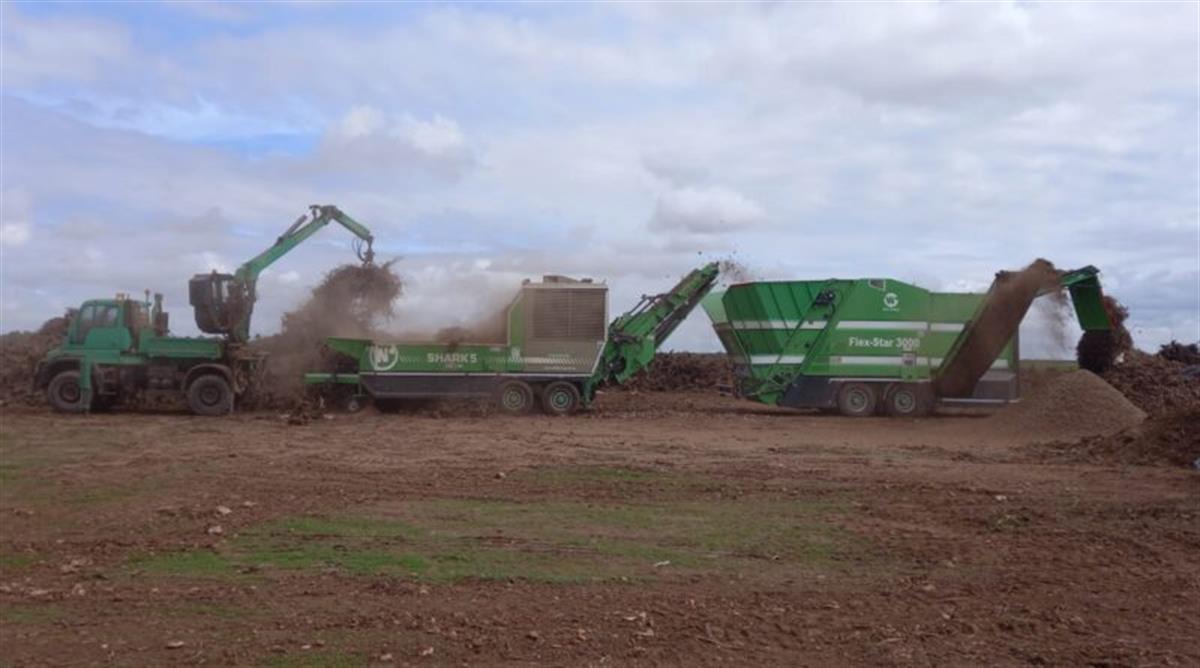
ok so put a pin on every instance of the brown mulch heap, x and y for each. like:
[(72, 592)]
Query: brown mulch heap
[(1179, 352), (1172, 438), (684, 371), (1067, 406), (1156, 384), (19, 355)]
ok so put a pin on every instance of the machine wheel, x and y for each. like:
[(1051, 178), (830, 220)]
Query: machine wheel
[(560, 398), (856, 400), (906, 400), (354, 403), (64, 393), (515, 397), (210, 394)]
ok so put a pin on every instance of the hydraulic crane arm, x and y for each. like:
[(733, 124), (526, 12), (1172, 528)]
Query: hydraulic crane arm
[(305, 226), (635, 337), (224, 303)]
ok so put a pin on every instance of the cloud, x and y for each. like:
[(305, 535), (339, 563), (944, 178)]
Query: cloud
[(14, 234), (711, 210), (366, 139), (503, 142), (58, 49), (15, 217)]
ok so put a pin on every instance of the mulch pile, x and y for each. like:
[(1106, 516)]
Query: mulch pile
[(1067, 406), (1171, 438), (1158, 385), (19, 355), (1178, 352), (1167, 388), (683, 371)]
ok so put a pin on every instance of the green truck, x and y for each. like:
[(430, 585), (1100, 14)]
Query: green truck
[(120, 349), (863, 346), (558, 349)]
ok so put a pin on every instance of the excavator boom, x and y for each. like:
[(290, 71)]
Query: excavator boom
[(224, 303)]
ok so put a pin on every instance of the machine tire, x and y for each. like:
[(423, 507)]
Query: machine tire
[(560, 398), (857, 400), (210, 395), (906, 400), (515, 397), (64, 393), (355, 403)]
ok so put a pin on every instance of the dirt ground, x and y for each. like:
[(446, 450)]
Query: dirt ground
[(657, 529)]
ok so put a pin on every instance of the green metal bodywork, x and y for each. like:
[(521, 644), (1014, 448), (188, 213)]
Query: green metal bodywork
[(872, 329), (125, 340), (610, 355)]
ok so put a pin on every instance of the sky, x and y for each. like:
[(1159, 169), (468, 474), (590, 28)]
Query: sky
[(487, 143)]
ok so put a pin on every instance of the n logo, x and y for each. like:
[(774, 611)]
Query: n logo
[(383, 357)]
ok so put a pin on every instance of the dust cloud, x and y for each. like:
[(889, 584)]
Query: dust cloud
[(352, 300)]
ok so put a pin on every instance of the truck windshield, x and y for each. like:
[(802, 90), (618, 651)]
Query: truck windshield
[(95, 315)]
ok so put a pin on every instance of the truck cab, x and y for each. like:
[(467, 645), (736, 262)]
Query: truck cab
[(107, 324), (116, 349)]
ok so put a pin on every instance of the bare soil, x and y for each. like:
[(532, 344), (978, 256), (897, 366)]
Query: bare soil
[(660, 528)]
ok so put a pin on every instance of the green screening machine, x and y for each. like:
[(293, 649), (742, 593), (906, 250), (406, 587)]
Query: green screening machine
[(559, 348), (862, 346)]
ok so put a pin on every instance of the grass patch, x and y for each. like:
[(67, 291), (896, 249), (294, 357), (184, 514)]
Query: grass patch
[(200, 563), (557, 541), (31, 614), (206, 611), (10, 561)]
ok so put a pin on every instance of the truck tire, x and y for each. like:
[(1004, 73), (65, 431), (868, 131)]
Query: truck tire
[(515, 397), (355, 403), (857, 400), (560, 398), (906, 400), (210, 394), (64, 394)]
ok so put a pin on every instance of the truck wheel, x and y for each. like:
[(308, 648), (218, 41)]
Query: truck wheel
[(210, 394), (560, 398), (355, 403), (515, 397), (906, 400), (856, 400), (64, 393)]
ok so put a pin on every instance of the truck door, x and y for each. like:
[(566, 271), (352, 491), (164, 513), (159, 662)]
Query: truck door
[(100, 327)]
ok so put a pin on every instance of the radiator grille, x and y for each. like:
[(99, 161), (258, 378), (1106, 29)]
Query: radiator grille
[(568, 315)]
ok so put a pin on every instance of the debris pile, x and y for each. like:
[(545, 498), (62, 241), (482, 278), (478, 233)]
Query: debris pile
[(1067, 406), (1157, 384), (19, 355), (1171, 438), (683, 371), (1177, 352)]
